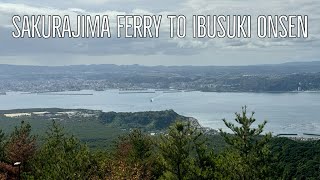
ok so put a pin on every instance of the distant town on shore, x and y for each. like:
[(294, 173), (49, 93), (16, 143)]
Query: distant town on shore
[(287, 77)]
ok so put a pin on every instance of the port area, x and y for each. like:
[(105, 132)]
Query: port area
[(300, 137), (142, 90), (131, 91), (135, 90)]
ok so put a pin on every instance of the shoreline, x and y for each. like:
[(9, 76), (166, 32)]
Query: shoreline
[(70, 92)]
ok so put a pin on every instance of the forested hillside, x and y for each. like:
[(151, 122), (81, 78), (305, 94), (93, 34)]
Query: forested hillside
[(183, 150)]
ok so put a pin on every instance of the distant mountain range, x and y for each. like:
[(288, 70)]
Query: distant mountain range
[(285, 68), (274, 77)]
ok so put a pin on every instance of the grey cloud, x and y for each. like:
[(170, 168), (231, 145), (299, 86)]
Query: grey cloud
[(90, 46), (163, 46)]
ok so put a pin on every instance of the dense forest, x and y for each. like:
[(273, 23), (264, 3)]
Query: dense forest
[(149, 120), (183, 151), (96, 128)]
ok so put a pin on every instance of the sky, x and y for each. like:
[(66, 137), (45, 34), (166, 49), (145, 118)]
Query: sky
[(163, 50)]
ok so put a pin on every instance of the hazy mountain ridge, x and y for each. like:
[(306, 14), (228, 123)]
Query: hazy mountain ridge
[(275, 77), (291, 67)]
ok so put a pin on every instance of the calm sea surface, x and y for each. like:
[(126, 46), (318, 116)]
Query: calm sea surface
[(285, 112)]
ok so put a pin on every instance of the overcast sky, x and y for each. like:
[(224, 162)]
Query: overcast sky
[(162, 51)]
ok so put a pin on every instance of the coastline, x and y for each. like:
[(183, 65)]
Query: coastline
[(148, 90)]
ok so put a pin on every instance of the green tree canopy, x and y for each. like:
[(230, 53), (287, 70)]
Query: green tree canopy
[(183, 153), (249, 154), (61, 157)]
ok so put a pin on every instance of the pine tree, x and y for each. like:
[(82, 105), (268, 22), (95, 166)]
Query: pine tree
[(21, 145), (132, 158), (2, 145), (61, 157), (183, 153), (249, 148)]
